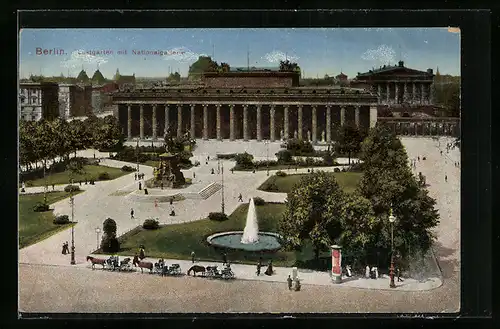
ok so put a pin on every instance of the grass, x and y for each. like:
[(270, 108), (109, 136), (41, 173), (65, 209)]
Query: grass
[(347, 180), (36, 226), (179, 240), (91, 173)]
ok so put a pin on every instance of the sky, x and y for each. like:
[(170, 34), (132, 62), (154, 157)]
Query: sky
[(318, 51)]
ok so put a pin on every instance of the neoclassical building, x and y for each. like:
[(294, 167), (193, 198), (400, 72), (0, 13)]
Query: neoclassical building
[(259, 105), (398, 86)]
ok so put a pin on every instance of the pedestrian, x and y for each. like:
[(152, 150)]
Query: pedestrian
[(398, 271), (418, 158), (240, 198), (232, 171), (253, 171), (224, 258), (258, 268), (212, 172), (161, 185), (135, 176), (194, 175), (445, 178), (132, 214), (86, 180), (269, 270), (140, 186), (53, 187), (64, 249), (296, 168), (289, 280), (208, 158), (171, 200), (441, 152), (192, 256), (80, 182), (142, 253), (23, 187)]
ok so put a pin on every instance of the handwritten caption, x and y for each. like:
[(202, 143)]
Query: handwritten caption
[(39, 51)]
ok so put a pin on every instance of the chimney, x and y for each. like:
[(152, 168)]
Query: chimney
[(401, 64)]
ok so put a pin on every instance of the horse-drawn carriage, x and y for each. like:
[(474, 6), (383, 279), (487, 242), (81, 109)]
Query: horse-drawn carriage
[(216, 272), (165, 270), (113, 263)]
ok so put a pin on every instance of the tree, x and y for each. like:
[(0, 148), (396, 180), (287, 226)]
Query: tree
[(350, 139), (287, 66), (381, 149), (109, 241), (108, 134), (311, 213)]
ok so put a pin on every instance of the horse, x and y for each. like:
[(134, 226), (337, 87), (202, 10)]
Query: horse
[(196, 269), (142, 264), (125, 261), (96, 261)]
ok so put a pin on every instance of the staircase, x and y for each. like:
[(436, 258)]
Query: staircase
[(208, 191)]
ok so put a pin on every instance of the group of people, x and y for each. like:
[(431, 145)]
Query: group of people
[(290, 282), (139, 176), (65, 248), (269, 271)]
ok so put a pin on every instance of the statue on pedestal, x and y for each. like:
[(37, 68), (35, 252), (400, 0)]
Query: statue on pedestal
[(323, 136), (281, 134), (308, 135), (295, 134)]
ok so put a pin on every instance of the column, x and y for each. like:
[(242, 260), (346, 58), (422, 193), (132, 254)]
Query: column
[(129, 121), (414, 93), (231, 122), (329, 122), (193, 126), (342, 116), (245, 122), (379, 93), (141, 122), (272, 113), (373, 116), (314, 125), (154, 122), (167, 121), (286, 123), (356, 115), (259, 122), (205, 121), (405, 92), (299, 123), (422, 93), (179, 120), (388, 92), (396, 85), (219, 135)]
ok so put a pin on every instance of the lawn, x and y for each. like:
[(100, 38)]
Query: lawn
[(36, 226), (179, 240), (347, 180), (91, 173)]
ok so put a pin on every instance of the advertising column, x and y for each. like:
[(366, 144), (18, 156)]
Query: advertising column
[(336, 264)]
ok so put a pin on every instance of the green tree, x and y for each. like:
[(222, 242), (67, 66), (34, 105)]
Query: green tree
[(311, 213), (349, 142)]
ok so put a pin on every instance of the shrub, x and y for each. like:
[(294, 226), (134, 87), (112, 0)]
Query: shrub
[(299, 147), (217, 216), (328, 159), (336, 170), (71, 188), (60, 220), (245, 160), (103, 176), (357, 167), (151, 224), (109, 227), (284, 156), (110, 244), (41, 207), (280, 173), (128, 168), (259, 201)]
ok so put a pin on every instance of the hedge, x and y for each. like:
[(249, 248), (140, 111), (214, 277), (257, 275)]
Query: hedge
[(40, 207), (151, 224), (258, 201), (60, 220), (128, 168), (103, 175), (217, 216), (71, 188)]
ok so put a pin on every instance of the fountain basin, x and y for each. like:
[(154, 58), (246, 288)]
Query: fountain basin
[(268, 241)]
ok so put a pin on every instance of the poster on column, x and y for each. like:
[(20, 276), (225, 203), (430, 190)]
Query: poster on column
[(288, 111)]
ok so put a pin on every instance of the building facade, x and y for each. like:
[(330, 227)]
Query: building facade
[(398, 86), (38, 100), (74, 100), (251, 105)]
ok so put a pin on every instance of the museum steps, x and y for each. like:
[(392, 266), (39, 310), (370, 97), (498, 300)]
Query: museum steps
[(208, 191)]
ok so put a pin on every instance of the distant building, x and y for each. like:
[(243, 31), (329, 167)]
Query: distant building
[(74, 100), (101, 96), (124, 81), (82, 77), (98, 78), (341, 77), (38, 100)]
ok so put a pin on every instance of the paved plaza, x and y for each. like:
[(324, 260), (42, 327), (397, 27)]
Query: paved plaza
[(115, 199)]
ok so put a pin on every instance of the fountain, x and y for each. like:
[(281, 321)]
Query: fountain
[(250, 239), (251, 231)]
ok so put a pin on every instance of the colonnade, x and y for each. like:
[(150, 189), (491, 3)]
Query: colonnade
[(285, 133), (426, 128), (397, 92)]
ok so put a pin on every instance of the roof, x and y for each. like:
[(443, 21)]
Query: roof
[(390, 68), (253, 69), (341, 75), (126, 79)]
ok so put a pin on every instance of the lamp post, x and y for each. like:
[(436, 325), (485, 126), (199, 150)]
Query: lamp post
[(392, 219), (222, 184), (267, 156), (72, 202), (137, 154), (97, 231)]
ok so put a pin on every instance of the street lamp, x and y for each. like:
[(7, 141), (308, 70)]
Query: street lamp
[(137, 154), (267, 157), (392, 219), (72, 203), (97, 231), (222, 184)]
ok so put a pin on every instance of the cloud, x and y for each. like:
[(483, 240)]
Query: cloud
[(181, 54), (383, 54), (454, 29), (276, 56), (80, 56)]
